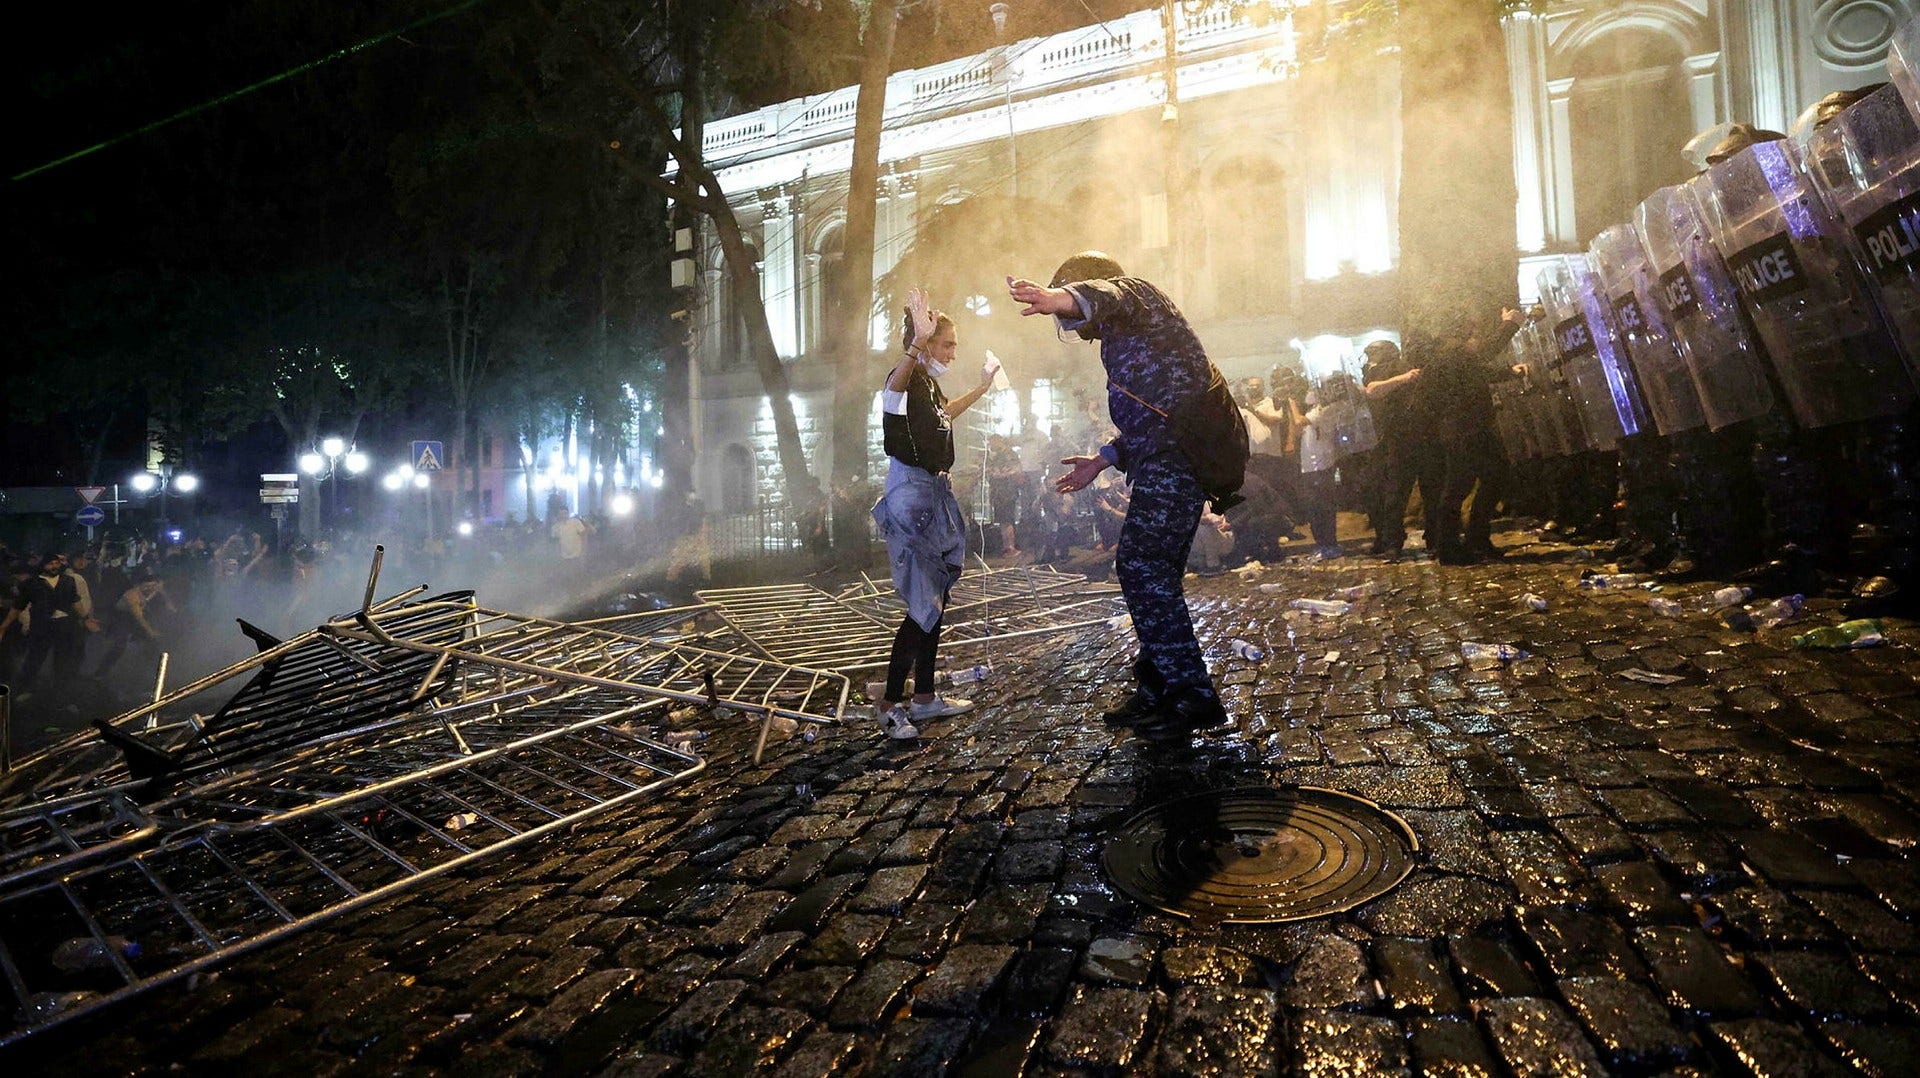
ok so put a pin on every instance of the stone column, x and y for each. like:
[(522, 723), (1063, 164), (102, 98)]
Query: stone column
[(1558, 148), (778, 258), (1525, 29), (1770, 74)]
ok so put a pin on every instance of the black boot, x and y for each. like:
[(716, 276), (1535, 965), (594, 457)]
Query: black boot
[(1144, 702), (1182, 714)]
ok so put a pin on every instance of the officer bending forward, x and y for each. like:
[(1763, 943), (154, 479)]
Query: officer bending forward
[(1153, 361)]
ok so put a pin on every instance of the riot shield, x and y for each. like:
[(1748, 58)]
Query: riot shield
[(1830, 348), (1903, 64), (1866, 161), (1594, 362), (1702, 308), (1550, 399), (1510, 420), (1631, 288)]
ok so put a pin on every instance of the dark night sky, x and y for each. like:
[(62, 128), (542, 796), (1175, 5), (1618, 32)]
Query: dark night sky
[(298, 168)]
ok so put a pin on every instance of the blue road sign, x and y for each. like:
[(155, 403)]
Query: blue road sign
[(91, 516), (428, 456)]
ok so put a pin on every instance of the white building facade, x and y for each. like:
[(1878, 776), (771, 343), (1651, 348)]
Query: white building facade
[(1260, 191)]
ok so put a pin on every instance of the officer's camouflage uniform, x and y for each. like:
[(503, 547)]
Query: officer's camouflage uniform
[(1147, 347)]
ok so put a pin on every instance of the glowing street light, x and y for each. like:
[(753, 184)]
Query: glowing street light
[(393, 481), (465, 527), (165, 481), (324, 461), (620, 504)]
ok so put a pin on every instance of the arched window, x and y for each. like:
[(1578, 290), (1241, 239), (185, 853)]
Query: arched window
[(1245, 217), (1629, 116), (829, 278), (739, 480), (729, 338)]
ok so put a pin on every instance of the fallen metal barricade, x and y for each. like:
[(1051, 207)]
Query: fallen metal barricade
[(400, 742), (854, 630)]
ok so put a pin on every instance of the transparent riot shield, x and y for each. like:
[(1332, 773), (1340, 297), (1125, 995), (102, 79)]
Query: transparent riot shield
[(1631, 293), (1511, 410), (1337, 408), (1866, 161), (1903, 64), (1702, 308), (1510, 420), (1550, 401), (1591, 355), (1830, 348)]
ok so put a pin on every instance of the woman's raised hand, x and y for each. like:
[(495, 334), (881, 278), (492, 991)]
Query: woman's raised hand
[(918, 307)]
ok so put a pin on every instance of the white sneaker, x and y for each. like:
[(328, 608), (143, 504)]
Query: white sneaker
[(897, 723), (941, 707)]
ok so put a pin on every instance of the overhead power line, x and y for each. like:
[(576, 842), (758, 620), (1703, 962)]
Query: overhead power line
[(232, 95)]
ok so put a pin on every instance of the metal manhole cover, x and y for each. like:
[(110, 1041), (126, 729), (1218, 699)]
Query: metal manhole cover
[(1260, 854)]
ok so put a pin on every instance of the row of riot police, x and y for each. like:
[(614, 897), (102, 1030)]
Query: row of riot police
[(1745, 352)]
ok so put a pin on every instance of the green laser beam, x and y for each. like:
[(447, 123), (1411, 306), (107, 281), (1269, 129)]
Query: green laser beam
[(232, 95)]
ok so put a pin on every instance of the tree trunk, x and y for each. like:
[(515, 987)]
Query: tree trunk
[(743, 278), (848, 313), (1457, 197)]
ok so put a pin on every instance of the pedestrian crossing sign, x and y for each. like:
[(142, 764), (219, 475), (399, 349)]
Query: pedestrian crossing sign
[(428, 456)]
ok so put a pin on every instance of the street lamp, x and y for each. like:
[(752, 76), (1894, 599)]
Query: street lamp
[(166, 481), (325, 462)]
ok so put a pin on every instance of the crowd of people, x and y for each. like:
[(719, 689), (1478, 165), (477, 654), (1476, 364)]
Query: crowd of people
[(1415, 420), (84, 623)]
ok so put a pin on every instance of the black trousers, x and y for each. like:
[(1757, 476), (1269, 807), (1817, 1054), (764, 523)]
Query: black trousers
[(913, 649), (62, 638), (1474, 462), (1402, 465)]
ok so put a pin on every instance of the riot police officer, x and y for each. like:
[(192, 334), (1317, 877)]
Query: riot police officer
[(1153, 362)]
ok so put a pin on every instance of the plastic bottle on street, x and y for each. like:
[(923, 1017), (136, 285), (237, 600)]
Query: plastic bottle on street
[(1331, 608), (1666, 608), (1859, 633), (1533, 602), (967, 674), (1243, 650), (1361, 591), (84, 953), (1272, 589), (1613, 580), (1725, 597), (1779, 612), (1505, 653)]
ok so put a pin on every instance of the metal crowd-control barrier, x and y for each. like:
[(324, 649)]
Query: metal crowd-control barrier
[(400, 742), (853, 631)]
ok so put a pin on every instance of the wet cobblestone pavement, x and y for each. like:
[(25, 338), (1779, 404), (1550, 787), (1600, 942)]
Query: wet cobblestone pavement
[(1715, 876)]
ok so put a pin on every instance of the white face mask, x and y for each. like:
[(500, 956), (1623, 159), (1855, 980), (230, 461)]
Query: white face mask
[(935, 368)]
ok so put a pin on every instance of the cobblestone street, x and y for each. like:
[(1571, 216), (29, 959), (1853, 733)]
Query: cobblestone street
[(1713, 876)]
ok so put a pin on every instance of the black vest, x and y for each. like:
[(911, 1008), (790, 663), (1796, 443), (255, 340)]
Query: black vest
[(924, 436)]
